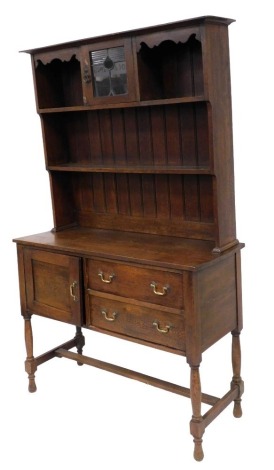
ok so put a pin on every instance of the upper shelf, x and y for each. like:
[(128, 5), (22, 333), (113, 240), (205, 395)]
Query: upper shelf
[(162, 138), (141, 169), (131, 104)]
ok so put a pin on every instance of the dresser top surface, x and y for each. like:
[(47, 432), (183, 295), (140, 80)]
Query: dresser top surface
[(168, 252)]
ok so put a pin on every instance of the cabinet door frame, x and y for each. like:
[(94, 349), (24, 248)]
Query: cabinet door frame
[(67, 264)]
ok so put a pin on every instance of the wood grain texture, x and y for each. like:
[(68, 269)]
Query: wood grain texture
[(142, 248), (217, 301)]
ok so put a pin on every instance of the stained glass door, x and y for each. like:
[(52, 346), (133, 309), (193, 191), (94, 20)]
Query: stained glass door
[(107, 72)]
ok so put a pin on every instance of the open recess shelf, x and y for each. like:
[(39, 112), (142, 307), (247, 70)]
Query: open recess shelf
[(165, 136)]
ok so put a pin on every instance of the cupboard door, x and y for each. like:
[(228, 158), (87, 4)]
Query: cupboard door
[(108, 72), (52, 283)]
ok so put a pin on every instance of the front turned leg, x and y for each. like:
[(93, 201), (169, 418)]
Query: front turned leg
[(80, 342), (30, 363), (196, 424), (236, 366)]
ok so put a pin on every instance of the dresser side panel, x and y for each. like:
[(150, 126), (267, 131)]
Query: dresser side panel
[(217, 300)]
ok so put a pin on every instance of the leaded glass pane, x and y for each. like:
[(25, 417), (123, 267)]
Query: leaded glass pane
[(109, 71)]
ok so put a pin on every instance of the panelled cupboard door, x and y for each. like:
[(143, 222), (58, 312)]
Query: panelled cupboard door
[(52, 284)]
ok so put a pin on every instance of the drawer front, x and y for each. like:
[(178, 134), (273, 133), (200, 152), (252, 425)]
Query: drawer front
[(145, 284), (134, 321)]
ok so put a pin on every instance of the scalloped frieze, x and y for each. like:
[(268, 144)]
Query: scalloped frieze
[(177, 36), (64, 55)]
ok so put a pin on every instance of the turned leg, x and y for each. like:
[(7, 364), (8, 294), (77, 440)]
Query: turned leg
[(30, 363), (236, 366), (196, 424), (80, 342)]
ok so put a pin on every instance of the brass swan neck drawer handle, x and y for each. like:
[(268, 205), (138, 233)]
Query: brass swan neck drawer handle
[(164, 330), (154, 287), (72, 289), (107, 317), (103, 279)]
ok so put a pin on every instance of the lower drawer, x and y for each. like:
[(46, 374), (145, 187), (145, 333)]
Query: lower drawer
[(135, 321)]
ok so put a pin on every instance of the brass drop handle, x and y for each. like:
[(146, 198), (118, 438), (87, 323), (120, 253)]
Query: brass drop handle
[(72, 288), (161, 330), (103, 279), (159, 292), (109, 318)]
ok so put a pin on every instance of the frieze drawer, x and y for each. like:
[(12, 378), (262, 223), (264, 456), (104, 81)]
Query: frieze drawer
[(145, 284)]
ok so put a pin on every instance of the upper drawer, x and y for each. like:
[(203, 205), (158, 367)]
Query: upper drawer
[(145, 284)]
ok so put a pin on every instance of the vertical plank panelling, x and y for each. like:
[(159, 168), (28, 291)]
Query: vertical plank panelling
[(202, 135), (77, 179), (77, 137), (62, 191), (191, 196), (106, 136), (94, 138), (118, 136), (173, 135), (145, 143), (148, 190), (158, 132), (98, 193), (176, 195), (197, 68), (131, 136), (123, 194), (188, 142), (162, 196), (184, 70), (136, 196), (206, 198), (110, 193), (55, 137), (85, 186)]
